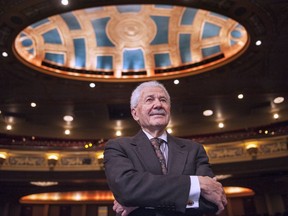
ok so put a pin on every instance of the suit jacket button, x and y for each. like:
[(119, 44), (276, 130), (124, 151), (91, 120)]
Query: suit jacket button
[(190, 202)]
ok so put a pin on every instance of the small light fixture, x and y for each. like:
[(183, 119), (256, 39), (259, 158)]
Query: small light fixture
[(92, 85), (275, 115), (64, 2), (169, 130), (118, 133), (3, 156), (252, 149), (278, 100), (4, 54), (67, 132), (176, 82), (33, 104), (221, 125), (207, 112), (9, 127), (100, 159), (68, 118), (52, 160), (258, 42), (240, 96)]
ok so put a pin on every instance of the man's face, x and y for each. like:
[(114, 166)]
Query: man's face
[(153, 109)]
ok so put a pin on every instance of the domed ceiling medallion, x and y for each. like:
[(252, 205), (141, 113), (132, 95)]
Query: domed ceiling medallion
[(131, 43)]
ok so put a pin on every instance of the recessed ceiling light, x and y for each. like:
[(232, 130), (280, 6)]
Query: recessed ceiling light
[(67, 132), (169, 130), (33, 104), (240, 96), (9, 127), (92, 85), (68, 118), (221, 125), (176, 82), (64, 2), (276, 116), (207, 112), (258, 42), (118, 133), (4, 54), (278, 100)]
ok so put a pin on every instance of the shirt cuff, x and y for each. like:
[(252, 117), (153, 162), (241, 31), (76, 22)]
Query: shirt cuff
[(194, 194)]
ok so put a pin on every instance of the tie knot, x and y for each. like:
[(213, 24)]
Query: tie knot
[(156, 141)]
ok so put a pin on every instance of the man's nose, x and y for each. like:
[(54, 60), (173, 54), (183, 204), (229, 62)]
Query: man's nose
[(157, 103)]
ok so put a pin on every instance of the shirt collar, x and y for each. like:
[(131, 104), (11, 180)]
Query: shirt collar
[(163, 136)]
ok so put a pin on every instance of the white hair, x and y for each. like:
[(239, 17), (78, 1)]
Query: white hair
[(134, 100)]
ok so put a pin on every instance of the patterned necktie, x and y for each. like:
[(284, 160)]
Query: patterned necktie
[(156, 142)]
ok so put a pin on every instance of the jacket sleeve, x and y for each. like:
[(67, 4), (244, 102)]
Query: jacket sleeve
[(203, 167)]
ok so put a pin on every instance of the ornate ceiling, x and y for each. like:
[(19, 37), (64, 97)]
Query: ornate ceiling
[(131, 42)]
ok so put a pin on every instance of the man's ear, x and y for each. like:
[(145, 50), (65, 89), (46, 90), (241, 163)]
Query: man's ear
[(134, 114)]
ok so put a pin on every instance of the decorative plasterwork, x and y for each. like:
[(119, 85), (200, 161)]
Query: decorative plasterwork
[(238, 151), (131, 42)]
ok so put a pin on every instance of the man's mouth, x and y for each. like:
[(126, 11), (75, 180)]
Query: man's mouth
[(160, 112)]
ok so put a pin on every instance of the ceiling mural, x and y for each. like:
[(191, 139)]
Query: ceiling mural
[(131, 43)]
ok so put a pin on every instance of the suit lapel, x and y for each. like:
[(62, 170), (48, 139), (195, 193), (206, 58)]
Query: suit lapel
[(176, 157), (145, 153)]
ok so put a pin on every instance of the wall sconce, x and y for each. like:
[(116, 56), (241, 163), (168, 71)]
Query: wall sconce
[(3, 156), (100, 159), (252, 150), (52, 160)]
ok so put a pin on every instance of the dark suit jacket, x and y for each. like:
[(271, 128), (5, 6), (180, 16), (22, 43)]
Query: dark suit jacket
[(134, 174)]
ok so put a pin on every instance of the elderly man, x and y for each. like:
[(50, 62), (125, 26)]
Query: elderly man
[(155, 174)]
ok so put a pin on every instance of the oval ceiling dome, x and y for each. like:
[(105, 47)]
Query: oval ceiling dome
[(131, 43)]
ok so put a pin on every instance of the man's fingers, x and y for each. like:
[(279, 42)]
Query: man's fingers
[(124, 213)]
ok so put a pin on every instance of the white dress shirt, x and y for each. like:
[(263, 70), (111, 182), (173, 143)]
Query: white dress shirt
[(194, 194)]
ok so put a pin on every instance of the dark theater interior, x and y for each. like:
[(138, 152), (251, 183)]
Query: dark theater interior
[(67, 70)]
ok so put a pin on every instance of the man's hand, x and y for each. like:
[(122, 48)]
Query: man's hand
[(213, 191), (122, 210)]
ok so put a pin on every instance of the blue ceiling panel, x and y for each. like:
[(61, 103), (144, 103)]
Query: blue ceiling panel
[(162, 60), (188, 16), (209, 51), (71, 21), (52, 37), (128, 8), (55, 57), (99, 26), (162, 24), (104, 62), (210, 30), (133, 60), (184, 48), (80, 52)]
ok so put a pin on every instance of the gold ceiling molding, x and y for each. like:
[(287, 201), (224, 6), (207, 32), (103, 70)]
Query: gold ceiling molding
[(131, 43)]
